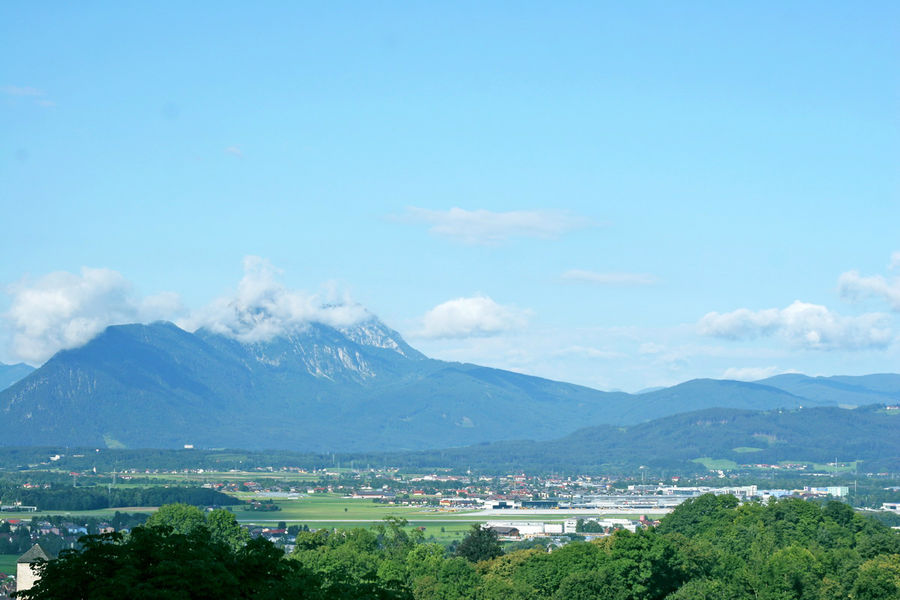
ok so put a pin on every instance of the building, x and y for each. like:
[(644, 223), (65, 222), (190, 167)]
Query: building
[(25, 575), (551, 504), (505, 532), (891, 506), (838, 491)]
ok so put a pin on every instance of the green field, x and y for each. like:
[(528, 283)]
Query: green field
[(233, 476), (716, 463), (334, 508), (102, 513), (335, 511), (8, 563), (843, 467), (436, 531), (746, 449)]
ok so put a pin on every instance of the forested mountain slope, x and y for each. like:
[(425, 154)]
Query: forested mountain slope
[(820, 434), (324, 388)]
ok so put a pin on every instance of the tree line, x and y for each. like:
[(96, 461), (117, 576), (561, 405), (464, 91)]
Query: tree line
[(709, 547), (93, 498)]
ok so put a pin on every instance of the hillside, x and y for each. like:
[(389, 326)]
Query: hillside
[(326, 389), (842, 389), (320, 389), (820, 435)]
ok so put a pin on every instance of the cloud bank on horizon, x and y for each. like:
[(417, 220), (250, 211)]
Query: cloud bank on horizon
[(64, 310), (803, 324)]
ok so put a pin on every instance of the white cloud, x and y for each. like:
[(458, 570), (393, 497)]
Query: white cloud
[(490, 228), (471, 317), (579, 275), (751, 373), (63, 310), (36, 95), (895, 261), (234, 151), (852, 285), (810, 326), (14, 90), (262, 308)]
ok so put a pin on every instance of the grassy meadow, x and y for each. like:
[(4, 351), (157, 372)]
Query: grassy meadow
[(8, 563)]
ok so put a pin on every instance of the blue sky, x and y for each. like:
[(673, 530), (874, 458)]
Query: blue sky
[(563, 189)]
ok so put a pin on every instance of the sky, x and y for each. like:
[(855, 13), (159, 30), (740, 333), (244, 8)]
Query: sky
[(620, 195)]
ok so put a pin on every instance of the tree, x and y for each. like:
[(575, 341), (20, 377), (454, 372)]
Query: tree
[(482, 543), (879, 579), (155, 563), (223, 527), (181, 518)]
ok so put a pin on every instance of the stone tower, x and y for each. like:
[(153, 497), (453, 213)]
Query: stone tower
[(25, 575)]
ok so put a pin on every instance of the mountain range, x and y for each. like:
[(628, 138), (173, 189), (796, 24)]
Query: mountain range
[(693, 441), (863, 440), (325, 388)]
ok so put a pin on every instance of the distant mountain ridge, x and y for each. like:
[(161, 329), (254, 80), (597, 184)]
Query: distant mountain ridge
[(325, 388), (743, 437), (9, 374), (840, 389)]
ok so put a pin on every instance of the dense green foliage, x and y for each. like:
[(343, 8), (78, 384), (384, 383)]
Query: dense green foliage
[(708, 548), (482, 543), (220, 525), (92, 498), (155, 563)]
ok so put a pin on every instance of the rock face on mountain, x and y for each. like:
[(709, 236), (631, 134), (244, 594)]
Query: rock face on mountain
[(320, 388)]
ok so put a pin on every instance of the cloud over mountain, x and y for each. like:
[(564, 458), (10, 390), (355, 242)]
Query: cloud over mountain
[(63, 310), (486, 227), (806, 325), (262, 308), (471, 317)]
